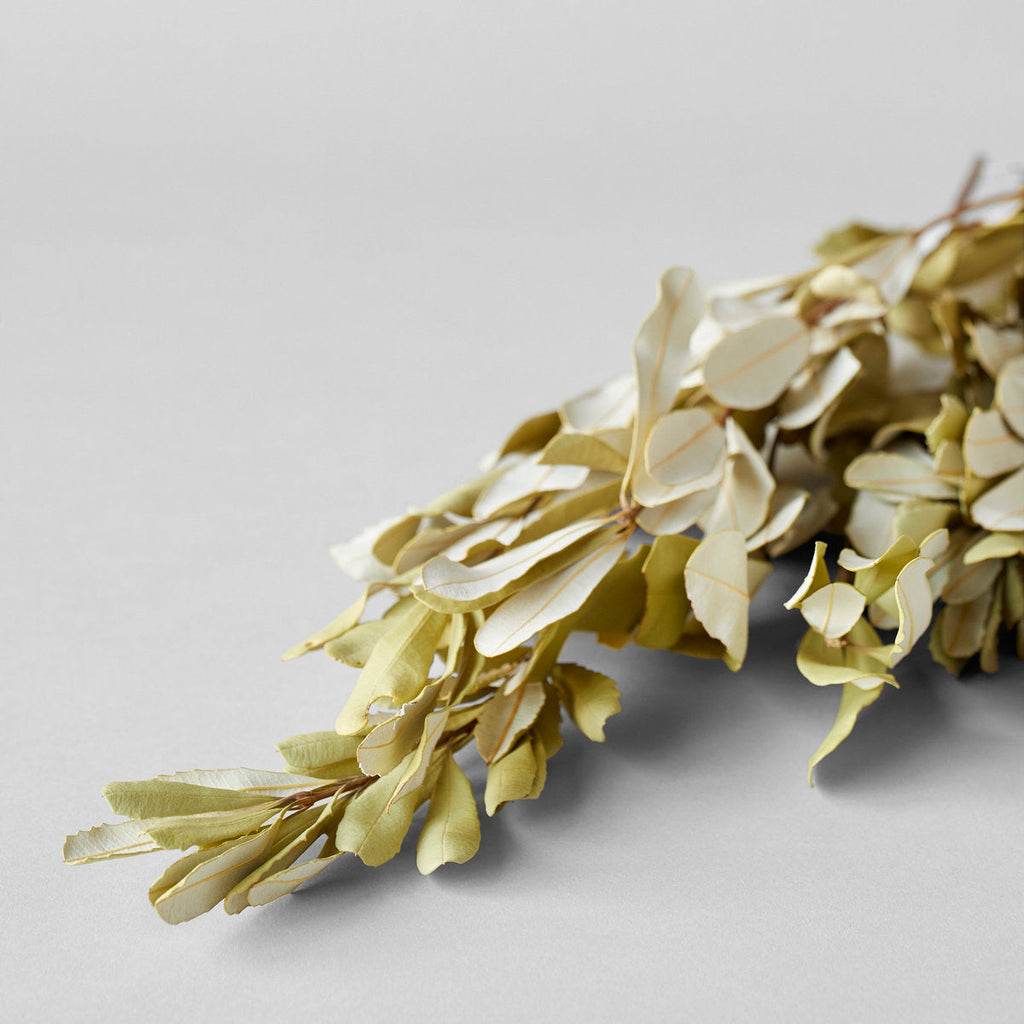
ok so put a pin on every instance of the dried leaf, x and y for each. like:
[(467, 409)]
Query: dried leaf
[(590, 698), (546, 601), (852, 702), (753, 366), (833, 609), (451, 831), (716, 583)]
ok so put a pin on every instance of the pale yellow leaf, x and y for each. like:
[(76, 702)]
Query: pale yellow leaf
[(369, 828), (210, 881), (995, 546), (398, 666), (914, 601), (667, 606), (512, 777), (716, 583), (286, 881), (854, 699), (339, 626), (678, 515), (590, 698), (451, 831)]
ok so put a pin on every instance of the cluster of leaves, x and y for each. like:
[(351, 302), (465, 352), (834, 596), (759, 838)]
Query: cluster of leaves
[(878, 394)]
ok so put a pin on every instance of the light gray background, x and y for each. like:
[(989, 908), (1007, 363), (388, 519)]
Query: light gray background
[(274, 270)]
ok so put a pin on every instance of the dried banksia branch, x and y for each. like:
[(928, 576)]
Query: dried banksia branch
[(878, 395)]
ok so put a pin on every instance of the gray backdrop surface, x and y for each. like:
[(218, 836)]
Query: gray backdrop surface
[(273, 271)]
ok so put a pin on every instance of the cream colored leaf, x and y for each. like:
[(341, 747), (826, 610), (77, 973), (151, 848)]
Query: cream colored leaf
[(590, 698), (995, 546), (526, 478), (753, 366), (451, 831), (545, 601), (453, 586), (125, 839), (964, 581), (210, 881), (356, 558), (511, 778), (606, 407), (369, 828), (1001, 508), (914, 601), (854, 699), (808, 398), (505, 718), (685, 446), (833, 610), (784, 508), (398, 666), (989, 448), (894, 477), (892, 267), (995, 347), (661, 351), (716, 583), (676, 516), (816, 578), (870, 523), (1010, 394), (745, 494)]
